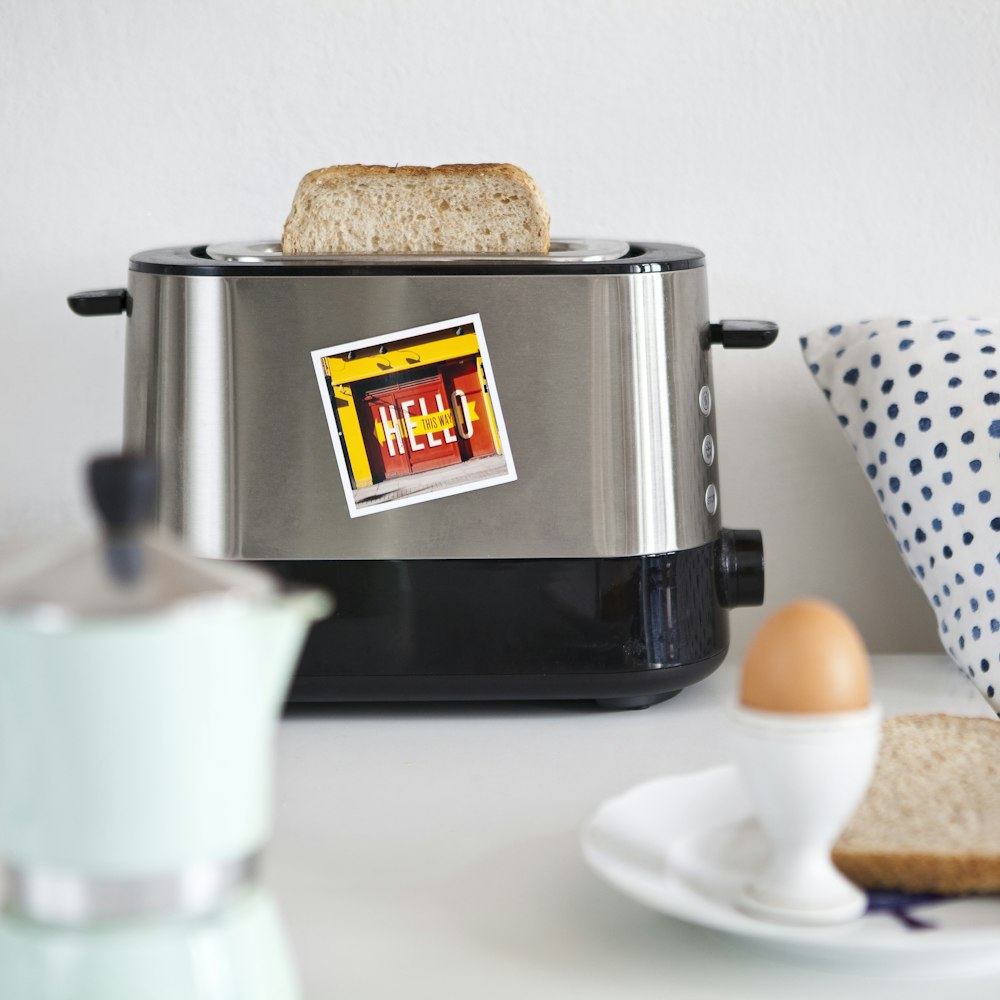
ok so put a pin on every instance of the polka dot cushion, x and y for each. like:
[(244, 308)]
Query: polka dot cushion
[(920, 403)]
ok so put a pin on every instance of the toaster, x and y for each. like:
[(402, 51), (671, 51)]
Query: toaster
[(505, 468)]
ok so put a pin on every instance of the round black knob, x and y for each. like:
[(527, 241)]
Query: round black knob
[(739, 568), (123, 491)]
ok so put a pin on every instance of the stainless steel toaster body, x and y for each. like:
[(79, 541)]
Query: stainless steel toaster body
[(602, 379)]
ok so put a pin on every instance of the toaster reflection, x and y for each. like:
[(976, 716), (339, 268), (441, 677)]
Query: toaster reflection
[(240, 953)]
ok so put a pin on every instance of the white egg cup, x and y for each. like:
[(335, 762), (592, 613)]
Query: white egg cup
[(805, 775)]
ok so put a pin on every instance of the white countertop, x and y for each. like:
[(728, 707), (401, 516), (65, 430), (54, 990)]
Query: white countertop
[(433, 851)]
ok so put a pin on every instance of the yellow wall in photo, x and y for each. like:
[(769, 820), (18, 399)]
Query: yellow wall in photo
[(343, 400)]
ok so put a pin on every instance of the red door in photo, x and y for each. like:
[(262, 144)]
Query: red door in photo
[(471, 408), (429, 424), (414, 427), (388, 433)]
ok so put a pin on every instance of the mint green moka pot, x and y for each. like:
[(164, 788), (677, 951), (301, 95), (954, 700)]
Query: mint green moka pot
[(139, 692)]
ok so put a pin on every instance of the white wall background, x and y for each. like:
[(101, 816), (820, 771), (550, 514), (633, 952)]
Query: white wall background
[(836, 159)]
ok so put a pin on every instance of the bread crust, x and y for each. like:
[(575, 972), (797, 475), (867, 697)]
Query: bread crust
[(930, 822), (334, 211)]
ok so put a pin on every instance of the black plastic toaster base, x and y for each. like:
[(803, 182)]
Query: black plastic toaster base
[(625, 632)]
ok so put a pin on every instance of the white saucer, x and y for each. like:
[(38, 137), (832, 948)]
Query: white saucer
[(686, 845)]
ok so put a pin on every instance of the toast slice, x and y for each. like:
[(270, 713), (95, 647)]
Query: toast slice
[(930, 822), (462, 208)]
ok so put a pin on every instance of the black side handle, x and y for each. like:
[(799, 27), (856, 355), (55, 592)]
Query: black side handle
[(743, 333), (105, 302)]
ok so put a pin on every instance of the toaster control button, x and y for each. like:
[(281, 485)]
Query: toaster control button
[(711, 498), (708, 449), (705, 400)]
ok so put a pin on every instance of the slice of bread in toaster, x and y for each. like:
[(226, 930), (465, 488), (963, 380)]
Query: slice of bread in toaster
[(460, 208), (930, 822)]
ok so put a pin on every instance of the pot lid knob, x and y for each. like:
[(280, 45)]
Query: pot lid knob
[(123, 490)]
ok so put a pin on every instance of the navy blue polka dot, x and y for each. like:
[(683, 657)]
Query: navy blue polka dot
[(924, 423), (956, 411), (925, 492), (843, 420), (916, 466), (991, 398), (936, 524), (920, 535), (954, 382), (958, 508), (984, 496), (920, 397), (915, 369), (995, 429), (887, 386), (900, 439), (968, 537), (945, 334), (903, 322), (951, 357), (989, 349), (851, 376), (968, 437), (893, 412), (946, 478), (940, 449), (876, 360), (975, 465), (834, 330), (869, 429), (893, 484), (872, 471)]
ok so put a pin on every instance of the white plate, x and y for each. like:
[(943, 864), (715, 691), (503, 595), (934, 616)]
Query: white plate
[(686, 845)]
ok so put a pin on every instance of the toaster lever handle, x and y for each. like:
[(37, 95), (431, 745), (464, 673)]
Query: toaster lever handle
[(743, 333), (104, 302), (739, 568)]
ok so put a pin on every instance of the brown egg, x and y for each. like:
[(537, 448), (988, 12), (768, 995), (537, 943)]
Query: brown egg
[(807, 657)]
